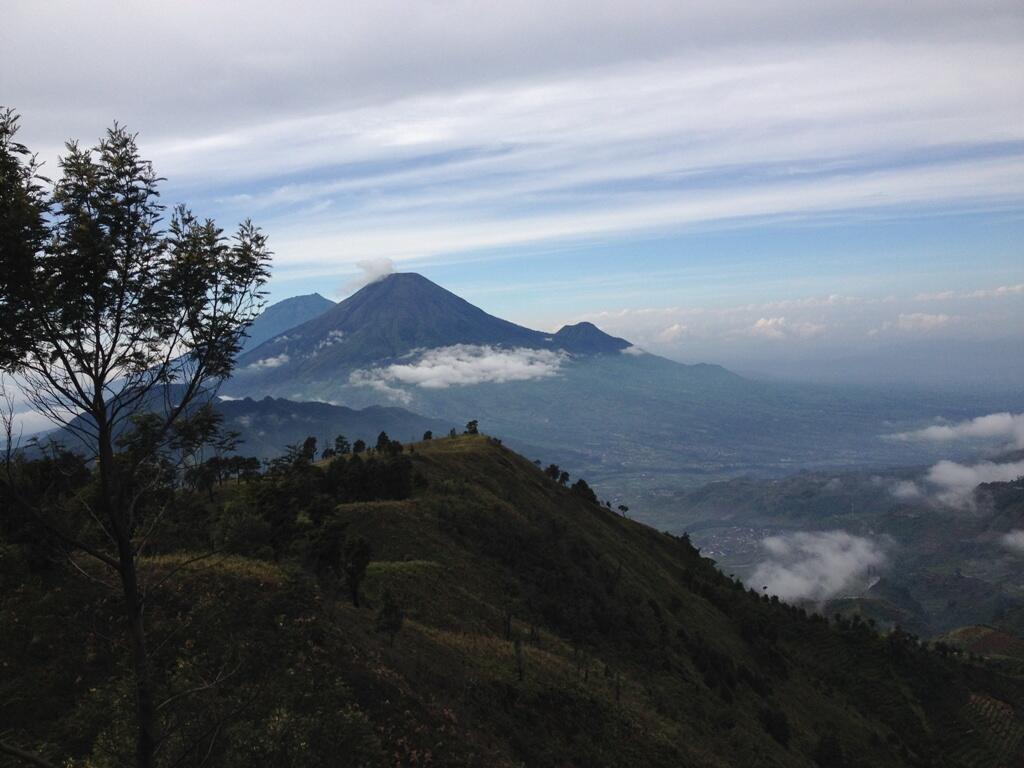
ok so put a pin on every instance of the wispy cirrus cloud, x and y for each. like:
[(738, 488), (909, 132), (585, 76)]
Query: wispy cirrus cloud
[(626, 123)]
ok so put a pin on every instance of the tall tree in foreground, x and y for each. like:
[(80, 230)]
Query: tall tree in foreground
[(119, 330)]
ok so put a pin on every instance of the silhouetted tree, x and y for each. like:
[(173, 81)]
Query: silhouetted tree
[(355, 558), (472, 427), (623, 509), (341, 445), (453, 433), (553, 471), (582, 489), (309, 449), (358, 447), (390, 616), (563, 478), (428, 435)]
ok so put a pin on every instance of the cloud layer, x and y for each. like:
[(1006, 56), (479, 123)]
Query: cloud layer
[(461, 365), (1003, 426), (816, 565), (539, 123)]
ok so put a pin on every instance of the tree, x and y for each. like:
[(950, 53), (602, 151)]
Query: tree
[(452, 432), (355, 558), (553, 471), (341, 445), (383, 442), (308, 449), (117, 330), (428, 435), (563, 478), (390, 616), (358, 447), (582, 488), (623, 509), (472, 427)]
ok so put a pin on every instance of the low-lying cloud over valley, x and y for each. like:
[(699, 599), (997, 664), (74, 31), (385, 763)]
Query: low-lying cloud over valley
[(816, 565)]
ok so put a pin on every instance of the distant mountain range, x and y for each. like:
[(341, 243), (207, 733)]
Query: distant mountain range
[(640, 425)]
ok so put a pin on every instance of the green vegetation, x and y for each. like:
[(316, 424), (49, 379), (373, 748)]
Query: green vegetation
[(452, 604)]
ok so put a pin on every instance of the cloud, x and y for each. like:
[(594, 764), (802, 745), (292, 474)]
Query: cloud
[(984, 293), (780, 328), (270, 362), (538, 124), (994, 426), (816, 565), (955, 483), (672, 333), (462, 365), (1014, 541), (906, 490), (916, 322), (370, 271)]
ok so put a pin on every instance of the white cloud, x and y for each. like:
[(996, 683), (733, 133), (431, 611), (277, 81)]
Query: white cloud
[(994, 426), (462, 365), (916, 322), (672, 333), (816, 565), (780, 328), (370, 271), (634, 350), (792, 110), (906, 490), (955, 483), (999, 292), (270, 362), (1014, 541)]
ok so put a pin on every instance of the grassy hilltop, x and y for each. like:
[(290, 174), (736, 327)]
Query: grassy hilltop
[(540, 629)]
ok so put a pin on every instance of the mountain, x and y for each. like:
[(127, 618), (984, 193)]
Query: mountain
[(504, 620), (279, 317), (386, 319), (640, 425), (588, 339)]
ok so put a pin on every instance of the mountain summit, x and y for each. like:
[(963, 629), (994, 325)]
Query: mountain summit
[(279, 317), (401, 313)]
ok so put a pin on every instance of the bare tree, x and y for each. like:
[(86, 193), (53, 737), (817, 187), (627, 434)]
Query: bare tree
[(118, 330)]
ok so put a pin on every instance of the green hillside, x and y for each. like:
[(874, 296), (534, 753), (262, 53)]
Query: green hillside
[(540, 629)]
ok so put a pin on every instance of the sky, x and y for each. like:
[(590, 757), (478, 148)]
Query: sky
[(787, 188)]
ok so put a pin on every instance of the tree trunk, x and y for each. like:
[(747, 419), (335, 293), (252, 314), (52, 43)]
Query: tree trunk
[(145, 703), (112, 494)]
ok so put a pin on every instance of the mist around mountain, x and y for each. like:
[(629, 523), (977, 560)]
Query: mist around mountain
[(450, 603)]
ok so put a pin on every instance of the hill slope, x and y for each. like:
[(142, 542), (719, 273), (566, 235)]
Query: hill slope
[(540, 629)]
